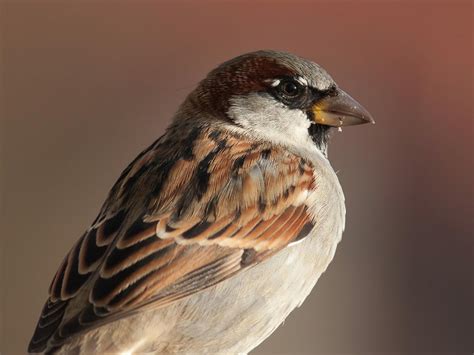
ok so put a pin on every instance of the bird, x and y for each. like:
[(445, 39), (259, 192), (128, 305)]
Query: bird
[(219, 229)]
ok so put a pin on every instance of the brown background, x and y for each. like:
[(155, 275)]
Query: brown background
[(88, 84)]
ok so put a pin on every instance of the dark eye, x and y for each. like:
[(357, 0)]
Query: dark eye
[(290, 88), (290, 91)]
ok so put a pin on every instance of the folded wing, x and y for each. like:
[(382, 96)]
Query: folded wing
[(175, 223)]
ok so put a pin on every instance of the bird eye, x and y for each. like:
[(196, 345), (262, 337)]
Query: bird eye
[(290, 88), (290, 91)]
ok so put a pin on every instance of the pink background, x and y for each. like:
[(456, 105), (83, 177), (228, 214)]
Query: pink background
[(87, 84)]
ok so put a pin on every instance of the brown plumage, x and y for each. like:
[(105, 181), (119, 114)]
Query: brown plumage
[(214, 212), (239, 176)]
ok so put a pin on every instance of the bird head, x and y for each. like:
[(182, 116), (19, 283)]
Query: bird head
[(277, 96)]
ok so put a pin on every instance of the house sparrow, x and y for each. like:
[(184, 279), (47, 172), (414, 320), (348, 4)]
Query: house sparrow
[(219, 229)]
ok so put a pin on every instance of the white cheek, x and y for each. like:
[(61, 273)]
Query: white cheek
[(266, 118)]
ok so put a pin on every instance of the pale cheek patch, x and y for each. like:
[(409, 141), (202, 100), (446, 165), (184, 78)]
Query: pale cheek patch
[(264, 117)]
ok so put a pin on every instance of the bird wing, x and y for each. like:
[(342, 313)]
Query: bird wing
[(177, 222)]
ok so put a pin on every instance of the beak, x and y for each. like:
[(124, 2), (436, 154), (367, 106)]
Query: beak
[(340, 110)]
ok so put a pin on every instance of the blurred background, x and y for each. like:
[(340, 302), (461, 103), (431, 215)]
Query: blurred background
[(86, 85)]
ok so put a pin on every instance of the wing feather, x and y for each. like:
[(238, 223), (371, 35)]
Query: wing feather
[(175, 223)]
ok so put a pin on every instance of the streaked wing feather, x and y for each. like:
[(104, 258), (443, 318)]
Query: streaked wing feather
[(205, 215)]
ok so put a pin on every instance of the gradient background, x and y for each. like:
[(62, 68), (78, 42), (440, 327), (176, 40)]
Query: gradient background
[(87, 84)]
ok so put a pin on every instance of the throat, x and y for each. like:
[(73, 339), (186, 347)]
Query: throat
[(320, 136)]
